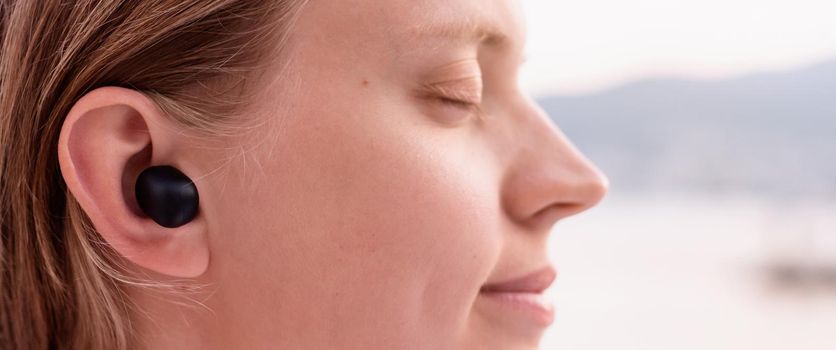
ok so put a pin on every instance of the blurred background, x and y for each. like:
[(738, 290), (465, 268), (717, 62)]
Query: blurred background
[(715, 121)]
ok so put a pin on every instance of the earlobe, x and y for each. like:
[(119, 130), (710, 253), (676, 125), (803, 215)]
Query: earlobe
[(108, 139)]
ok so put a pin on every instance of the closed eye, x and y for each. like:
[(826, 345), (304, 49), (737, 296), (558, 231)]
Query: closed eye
[(458, 103), (464, 93)]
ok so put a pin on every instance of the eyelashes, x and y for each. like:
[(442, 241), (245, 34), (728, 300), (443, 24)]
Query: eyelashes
[(466, 105)]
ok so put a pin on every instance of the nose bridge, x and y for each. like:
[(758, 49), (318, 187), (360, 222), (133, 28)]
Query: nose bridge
[(548, 177)]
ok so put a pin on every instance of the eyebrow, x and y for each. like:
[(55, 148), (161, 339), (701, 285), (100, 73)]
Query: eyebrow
[(471, 30)]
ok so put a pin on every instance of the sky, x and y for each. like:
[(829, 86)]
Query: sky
[(582, 46)]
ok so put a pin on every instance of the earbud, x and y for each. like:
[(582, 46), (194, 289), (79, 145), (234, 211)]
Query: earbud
[(167, 195)]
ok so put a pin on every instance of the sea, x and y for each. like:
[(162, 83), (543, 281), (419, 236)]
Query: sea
[(696, 272)]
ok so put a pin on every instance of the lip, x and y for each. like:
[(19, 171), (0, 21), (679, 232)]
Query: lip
[(519, 302), (535, 282)]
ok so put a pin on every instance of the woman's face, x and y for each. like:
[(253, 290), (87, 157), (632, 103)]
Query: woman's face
[(400, 169)]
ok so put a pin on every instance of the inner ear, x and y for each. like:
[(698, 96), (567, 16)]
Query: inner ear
[(133, 167)]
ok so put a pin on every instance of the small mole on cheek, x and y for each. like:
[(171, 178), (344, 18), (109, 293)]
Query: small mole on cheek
[(365, 82)]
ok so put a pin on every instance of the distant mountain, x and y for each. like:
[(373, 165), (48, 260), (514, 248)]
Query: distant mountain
[(772, 133)]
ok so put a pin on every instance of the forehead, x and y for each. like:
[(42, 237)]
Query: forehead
[(399, 21), (465, 19)]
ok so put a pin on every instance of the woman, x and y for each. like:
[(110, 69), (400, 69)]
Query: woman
[(368, 175)]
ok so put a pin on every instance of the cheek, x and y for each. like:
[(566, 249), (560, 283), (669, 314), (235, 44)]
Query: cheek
[(425, 225), (411, 227), (382, 226)]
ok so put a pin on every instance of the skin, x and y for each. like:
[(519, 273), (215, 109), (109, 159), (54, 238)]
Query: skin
[(366, 210)]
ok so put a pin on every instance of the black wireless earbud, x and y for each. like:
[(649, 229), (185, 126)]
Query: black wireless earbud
[(167, 195)]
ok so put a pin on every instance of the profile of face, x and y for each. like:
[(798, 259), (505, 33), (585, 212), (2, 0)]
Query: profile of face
[(397, 171)]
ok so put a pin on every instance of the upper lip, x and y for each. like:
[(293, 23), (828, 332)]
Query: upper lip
[(534, 282)]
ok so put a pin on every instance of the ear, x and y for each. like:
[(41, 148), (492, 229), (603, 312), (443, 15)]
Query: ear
[(108, 138)]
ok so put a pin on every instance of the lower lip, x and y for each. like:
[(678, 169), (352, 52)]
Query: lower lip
[(531, 307)]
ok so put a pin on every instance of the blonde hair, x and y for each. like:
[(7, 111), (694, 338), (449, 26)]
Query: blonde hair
[(60, 284)]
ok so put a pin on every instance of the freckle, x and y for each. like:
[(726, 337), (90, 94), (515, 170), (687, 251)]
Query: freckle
[(365, 82)]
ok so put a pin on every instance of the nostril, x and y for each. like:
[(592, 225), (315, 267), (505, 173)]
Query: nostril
[(550, 215)]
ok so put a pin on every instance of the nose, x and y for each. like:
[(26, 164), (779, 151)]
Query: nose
[(548, 179)]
